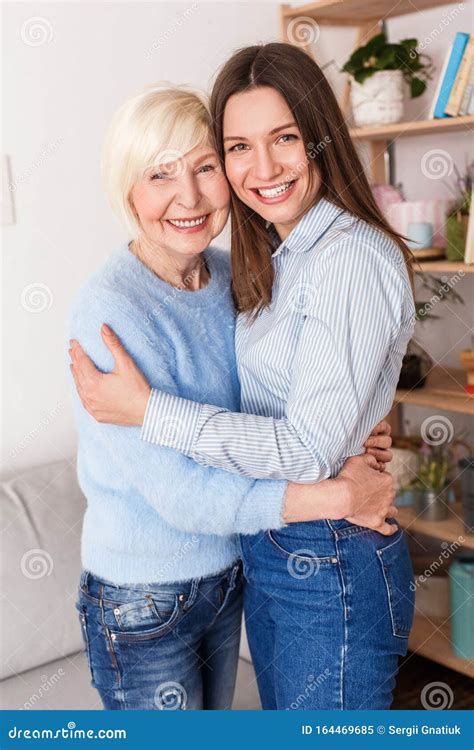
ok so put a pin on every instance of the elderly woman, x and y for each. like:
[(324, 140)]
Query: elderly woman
[(160, 594)]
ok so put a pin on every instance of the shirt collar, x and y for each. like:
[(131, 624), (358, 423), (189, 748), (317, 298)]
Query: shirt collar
[(309, 229)]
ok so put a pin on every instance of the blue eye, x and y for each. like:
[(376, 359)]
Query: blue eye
[(238, 147), (207, 168)]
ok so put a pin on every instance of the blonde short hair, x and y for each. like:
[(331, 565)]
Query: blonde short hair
[(158, 124)]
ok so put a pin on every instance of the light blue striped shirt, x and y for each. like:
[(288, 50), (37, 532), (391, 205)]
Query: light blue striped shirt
[(319, 366)]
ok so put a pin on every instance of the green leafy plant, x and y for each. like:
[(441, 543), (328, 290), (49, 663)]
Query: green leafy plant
[(379, 54), (462, 189)]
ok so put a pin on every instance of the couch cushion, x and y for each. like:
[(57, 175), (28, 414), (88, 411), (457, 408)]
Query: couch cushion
[(41, 515)]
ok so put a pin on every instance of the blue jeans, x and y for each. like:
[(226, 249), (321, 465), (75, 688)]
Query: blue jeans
[(163, 646), (328, 609)]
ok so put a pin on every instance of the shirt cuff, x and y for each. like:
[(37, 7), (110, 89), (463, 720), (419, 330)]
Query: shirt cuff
[(171, 421)]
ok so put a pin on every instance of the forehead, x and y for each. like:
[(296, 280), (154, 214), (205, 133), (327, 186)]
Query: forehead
[(255, 112)]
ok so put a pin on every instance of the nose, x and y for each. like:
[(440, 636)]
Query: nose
[(265, 168), (188, 193)]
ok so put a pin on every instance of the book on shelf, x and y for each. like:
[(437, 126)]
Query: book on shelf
[(459, 86), (467, 103), (469, 251), (448, 74)]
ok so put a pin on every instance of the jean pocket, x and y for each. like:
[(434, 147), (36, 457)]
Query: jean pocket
[(398, 577), (143, 618), (292, 545)]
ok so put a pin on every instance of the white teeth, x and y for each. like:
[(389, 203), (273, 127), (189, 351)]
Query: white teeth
[(185, 224), (273, 192)]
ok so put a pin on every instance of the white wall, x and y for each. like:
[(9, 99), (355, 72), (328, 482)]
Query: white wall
[(58, 99)]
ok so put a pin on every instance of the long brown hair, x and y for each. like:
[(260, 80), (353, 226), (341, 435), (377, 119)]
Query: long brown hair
[(301, 82)]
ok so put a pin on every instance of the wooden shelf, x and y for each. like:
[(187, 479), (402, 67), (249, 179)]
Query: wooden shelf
[(433, 640), (416, 127), (448, 531), (444, 389), (442, 266), (355, 12)]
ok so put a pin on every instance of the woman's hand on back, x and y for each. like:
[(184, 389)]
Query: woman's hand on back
[(360, 493), (118, 397)]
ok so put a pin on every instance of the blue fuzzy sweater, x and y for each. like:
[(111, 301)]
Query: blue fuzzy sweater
[(154, 515)]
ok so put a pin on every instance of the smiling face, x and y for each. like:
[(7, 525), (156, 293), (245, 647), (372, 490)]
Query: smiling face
[(182, 205), (265, 157)]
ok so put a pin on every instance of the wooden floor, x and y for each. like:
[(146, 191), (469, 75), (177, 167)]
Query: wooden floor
[(416, 672)]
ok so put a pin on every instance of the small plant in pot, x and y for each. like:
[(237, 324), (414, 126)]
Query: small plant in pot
[(379, 70), (417, 362), (432, 483), (458, 217)]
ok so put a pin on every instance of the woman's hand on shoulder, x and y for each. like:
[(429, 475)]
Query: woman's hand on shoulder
[(119, 397)]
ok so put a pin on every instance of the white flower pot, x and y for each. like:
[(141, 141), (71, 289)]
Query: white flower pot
[(379, 100)]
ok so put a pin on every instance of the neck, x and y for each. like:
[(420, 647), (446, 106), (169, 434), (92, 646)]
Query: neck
[(187, 273)]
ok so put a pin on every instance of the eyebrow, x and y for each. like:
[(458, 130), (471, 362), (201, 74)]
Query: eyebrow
[(272, 132)]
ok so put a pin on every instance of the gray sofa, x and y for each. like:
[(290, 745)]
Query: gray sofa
[(43, 665)]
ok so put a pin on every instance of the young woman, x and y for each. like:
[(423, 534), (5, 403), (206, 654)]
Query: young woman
[(160, 594)]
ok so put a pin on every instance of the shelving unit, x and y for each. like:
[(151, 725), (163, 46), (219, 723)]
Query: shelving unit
[(443, 266), (448, 531), (432, 639), (444, 388)]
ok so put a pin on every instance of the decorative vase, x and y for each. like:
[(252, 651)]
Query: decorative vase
[(461, 580), (379, 100), (431, 505), (456, 232)]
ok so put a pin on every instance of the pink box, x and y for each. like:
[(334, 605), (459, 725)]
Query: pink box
[(435, 212)]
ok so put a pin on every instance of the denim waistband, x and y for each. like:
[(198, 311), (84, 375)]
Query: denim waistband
[(97, 587)]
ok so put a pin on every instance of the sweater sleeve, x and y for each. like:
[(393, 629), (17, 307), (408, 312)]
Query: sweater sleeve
[(187, 495)]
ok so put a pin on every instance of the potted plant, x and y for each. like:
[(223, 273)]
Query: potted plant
[(417, 362), (379, 70), (458, 217)]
